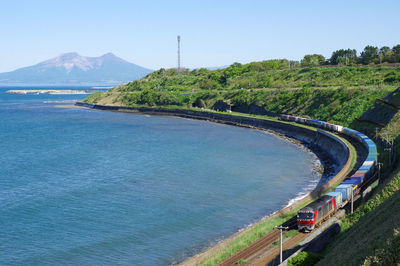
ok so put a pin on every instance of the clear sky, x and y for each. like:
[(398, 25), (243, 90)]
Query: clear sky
[(213, 32)]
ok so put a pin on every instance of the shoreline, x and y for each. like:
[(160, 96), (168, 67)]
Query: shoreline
[(54, 92), (287, 131)]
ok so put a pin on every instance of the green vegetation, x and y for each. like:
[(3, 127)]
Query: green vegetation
[(252, 235), (304, 259), (389, 254), (272, 81), (334, 94), (370, 55)]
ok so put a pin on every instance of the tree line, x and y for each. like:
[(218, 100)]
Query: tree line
[(370, 55)]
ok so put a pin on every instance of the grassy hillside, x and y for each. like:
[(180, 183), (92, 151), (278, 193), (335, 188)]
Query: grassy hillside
[(335, 94)]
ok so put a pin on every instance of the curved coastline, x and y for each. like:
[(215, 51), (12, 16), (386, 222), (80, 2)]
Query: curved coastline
[(324, 140)]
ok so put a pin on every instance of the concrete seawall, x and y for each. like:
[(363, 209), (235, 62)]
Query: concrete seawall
[(337, 150)]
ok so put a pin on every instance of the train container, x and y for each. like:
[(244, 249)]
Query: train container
[(355, 183), (364, 167), (283, 117), (302, 120), (371, 159), (315, 213), (313, 122), (372, 154), (362, 176), (338, 198), (368, 162), (357, 179), (345, 190), (361, 172), (327, 126), (331, 127)]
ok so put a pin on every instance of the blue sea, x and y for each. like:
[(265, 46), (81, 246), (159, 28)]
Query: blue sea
[(86, 187)]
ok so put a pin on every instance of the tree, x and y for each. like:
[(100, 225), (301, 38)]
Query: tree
[(343, 57), (313, 60), (385, 54), (369, 55), (396, 53)]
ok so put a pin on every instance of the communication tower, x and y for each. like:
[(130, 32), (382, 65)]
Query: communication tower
[(179, 54)]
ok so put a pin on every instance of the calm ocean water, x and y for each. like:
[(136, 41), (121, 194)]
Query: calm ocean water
[(87, 187)]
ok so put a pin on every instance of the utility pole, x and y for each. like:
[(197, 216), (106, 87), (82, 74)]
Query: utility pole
[(379, 170), (352, 198), (179, 55), (281, 240), (389, 149)]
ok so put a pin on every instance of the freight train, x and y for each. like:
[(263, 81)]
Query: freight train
[(317, 211)]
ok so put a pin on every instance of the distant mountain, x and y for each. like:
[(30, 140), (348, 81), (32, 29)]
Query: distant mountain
[(216, 68), (74, 69)]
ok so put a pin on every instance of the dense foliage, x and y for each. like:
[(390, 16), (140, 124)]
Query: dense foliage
[(335, 94), (267, 74), (370, 55), (304, 259)]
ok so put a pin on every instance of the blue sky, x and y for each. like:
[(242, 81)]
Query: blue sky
[(214, 33)]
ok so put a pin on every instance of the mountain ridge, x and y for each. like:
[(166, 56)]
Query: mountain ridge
[(74, 69)]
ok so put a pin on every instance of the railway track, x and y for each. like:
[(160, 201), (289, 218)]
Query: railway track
[(258, 245), (253, 248), (273, 256)]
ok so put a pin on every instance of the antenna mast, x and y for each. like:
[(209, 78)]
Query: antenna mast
[(179, 55)]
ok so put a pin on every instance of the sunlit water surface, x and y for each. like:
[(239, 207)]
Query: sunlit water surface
[(87, 187)]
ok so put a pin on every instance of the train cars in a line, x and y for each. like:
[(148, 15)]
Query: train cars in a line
[(309, 216)]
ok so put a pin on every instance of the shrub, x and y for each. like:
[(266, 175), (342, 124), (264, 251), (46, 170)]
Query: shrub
[(304, 259)]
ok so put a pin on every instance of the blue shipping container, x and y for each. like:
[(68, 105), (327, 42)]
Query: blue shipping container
[(345, 189)]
